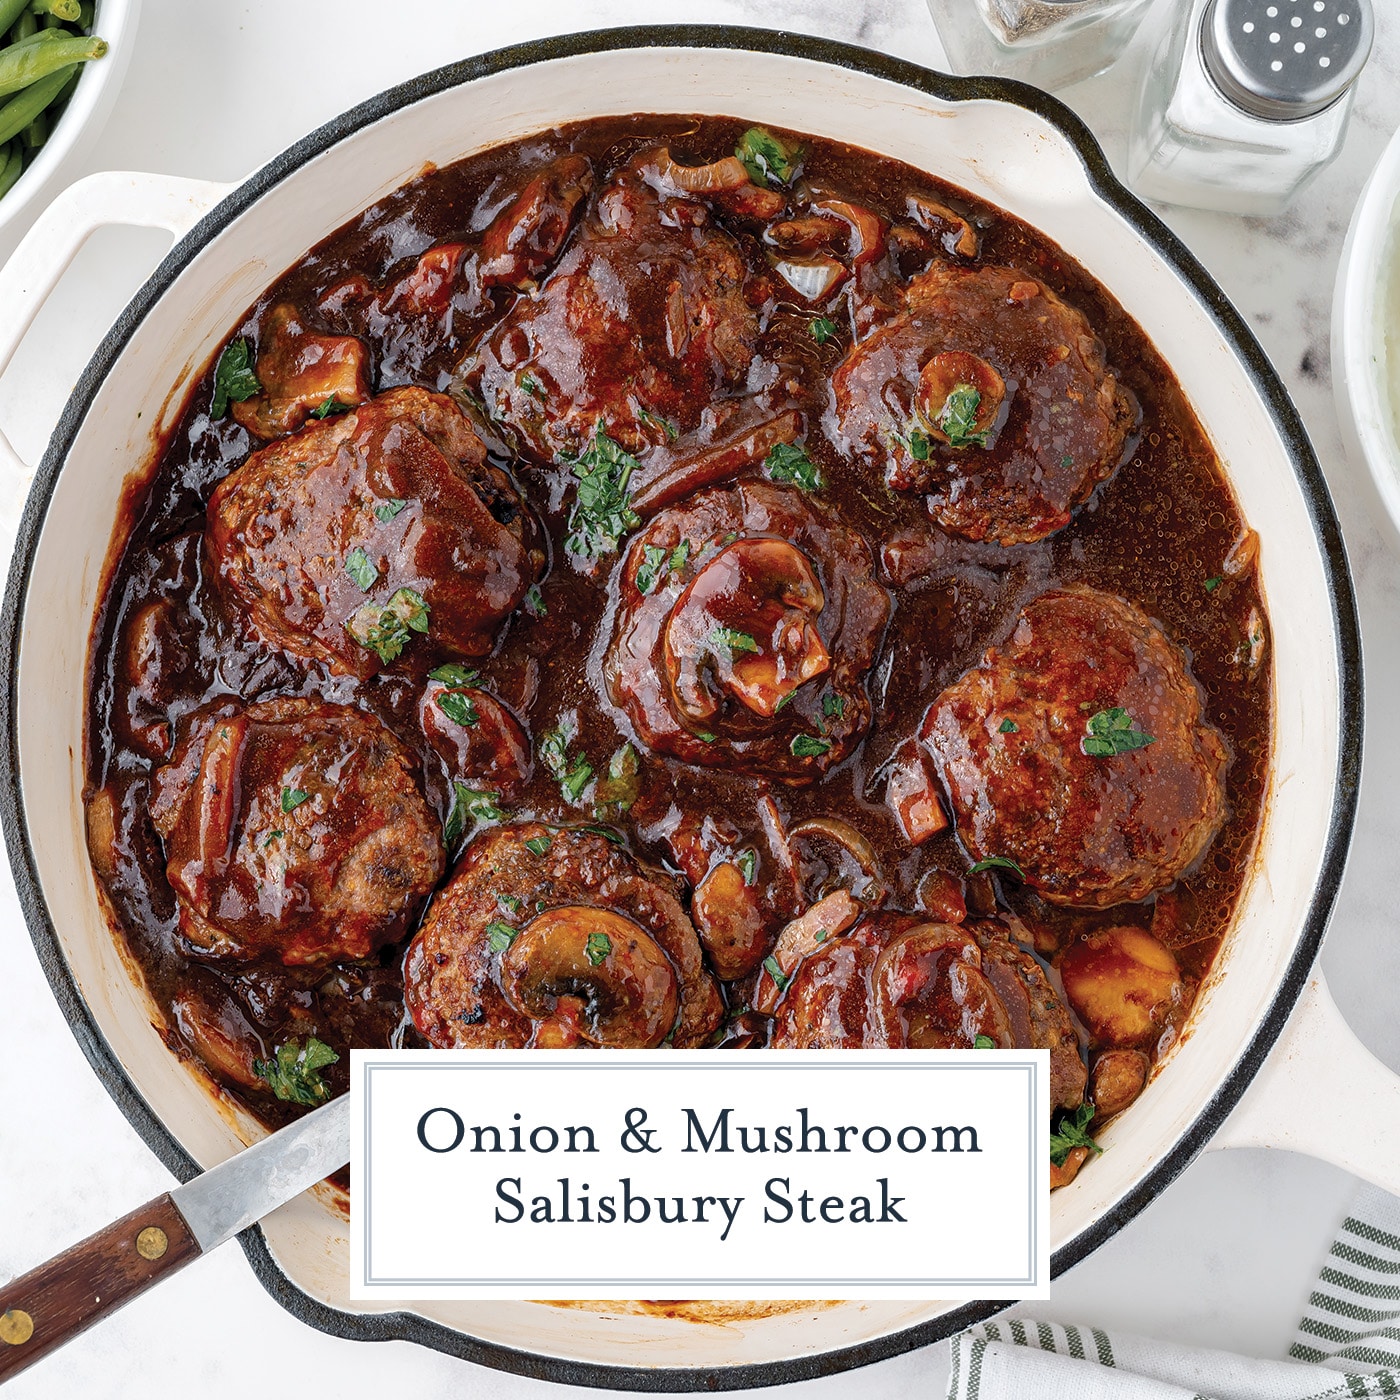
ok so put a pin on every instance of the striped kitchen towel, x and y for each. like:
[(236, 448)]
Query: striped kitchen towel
[(1351, 1326)]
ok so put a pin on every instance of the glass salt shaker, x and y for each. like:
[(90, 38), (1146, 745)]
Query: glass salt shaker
[(1247, 101), (1051, 43)]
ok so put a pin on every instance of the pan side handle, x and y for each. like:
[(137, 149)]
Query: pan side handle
[(44, 254), (1323, 1093)]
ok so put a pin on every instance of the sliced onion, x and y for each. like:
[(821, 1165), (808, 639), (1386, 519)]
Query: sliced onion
[(811, 278), (867, 228), (844, 834), (726, 174), (928, 212)]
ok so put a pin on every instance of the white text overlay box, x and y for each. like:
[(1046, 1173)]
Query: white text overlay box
[(700, 1174)]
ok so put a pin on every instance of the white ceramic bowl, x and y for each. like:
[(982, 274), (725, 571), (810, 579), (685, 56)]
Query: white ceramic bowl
[(85, 115), (1366, 331)]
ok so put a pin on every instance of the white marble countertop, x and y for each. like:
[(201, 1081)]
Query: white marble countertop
[(1224, 1258)]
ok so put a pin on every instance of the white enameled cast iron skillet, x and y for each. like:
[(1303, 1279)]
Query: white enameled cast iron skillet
[(1005, 143)]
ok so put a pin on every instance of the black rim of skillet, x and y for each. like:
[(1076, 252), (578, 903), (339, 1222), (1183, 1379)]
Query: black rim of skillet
[(409, 1326)]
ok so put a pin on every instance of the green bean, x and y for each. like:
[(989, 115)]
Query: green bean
[(24, 64), (36, 133), (87, 12), (59, 9), (25, 26), (11, 164), (10, 11), (20, 110)]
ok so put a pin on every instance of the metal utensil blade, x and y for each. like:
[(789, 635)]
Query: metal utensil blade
[(251, 1184)]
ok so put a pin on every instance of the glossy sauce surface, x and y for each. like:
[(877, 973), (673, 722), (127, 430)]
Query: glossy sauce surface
[(1159, 532)]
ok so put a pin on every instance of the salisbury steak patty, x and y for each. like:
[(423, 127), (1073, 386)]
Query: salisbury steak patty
[(746, 622), (992, 396), (899, 982), (639, 326), (350, 539), (1079, 750), (553, 938), (294, 829)]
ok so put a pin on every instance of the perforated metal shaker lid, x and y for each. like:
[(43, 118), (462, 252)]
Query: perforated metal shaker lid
[(1282, 60)]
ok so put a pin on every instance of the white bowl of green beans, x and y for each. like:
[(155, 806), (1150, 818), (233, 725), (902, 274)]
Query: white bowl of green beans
[(61, 63)]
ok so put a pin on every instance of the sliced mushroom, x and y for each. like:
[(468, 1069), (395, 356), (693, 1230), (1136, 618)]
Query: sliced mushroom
[(1117, 1078), (729, 916), (800, 939), (594, 968), (725, 180), (959, 397), (929, 984), (717, 463), (527, 236), (301, 370), (1063, 1175), (215, 1028), (748, 618)]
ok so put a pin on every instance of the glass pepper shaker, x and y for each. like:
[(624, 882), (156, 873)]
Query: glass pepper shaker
[(1247, 101), (1051, 43)]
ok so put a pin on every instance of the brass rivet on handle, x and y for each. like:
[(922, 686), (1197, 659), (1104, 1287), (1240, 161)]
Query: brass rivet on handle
[(152, 1242), (16, 1327)]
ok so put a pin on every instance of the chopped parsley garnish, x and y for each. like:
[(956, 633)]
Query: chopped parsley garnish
[(597, 947), (669, 428), (1008, 726), (233, 377), (361, 569), (532, 386), (538, 845), (768, 160), (453, 673), (271, 837), (774, 969), (572, 776), (747, 861), (1111, 732), (822, 329), (458, 707), (731, 641), (983, 1042), (292, 798), (1070, 1133), (331, 405), (788, 462), (510, 903), (534, 601), (1066, 462), (294, 1071), (475, 803), (617, 792), (704, 736), (917, 444), (998, 863), (387, 630), (1213, 583), (834, 706), (385, 511), (958, 418), (499, 936), (602, 511), (808, 746), (653, 561), (679, 555)]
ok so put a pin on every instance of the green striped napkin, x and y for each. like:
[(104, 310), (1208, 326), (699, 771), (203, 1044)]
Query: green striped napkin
[(1351, 1326)]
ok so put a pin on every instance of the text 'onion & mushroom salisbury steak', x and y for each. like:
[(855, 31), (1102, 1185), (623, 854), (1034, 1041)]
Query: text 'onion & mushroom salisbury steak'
[(666, 583)]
